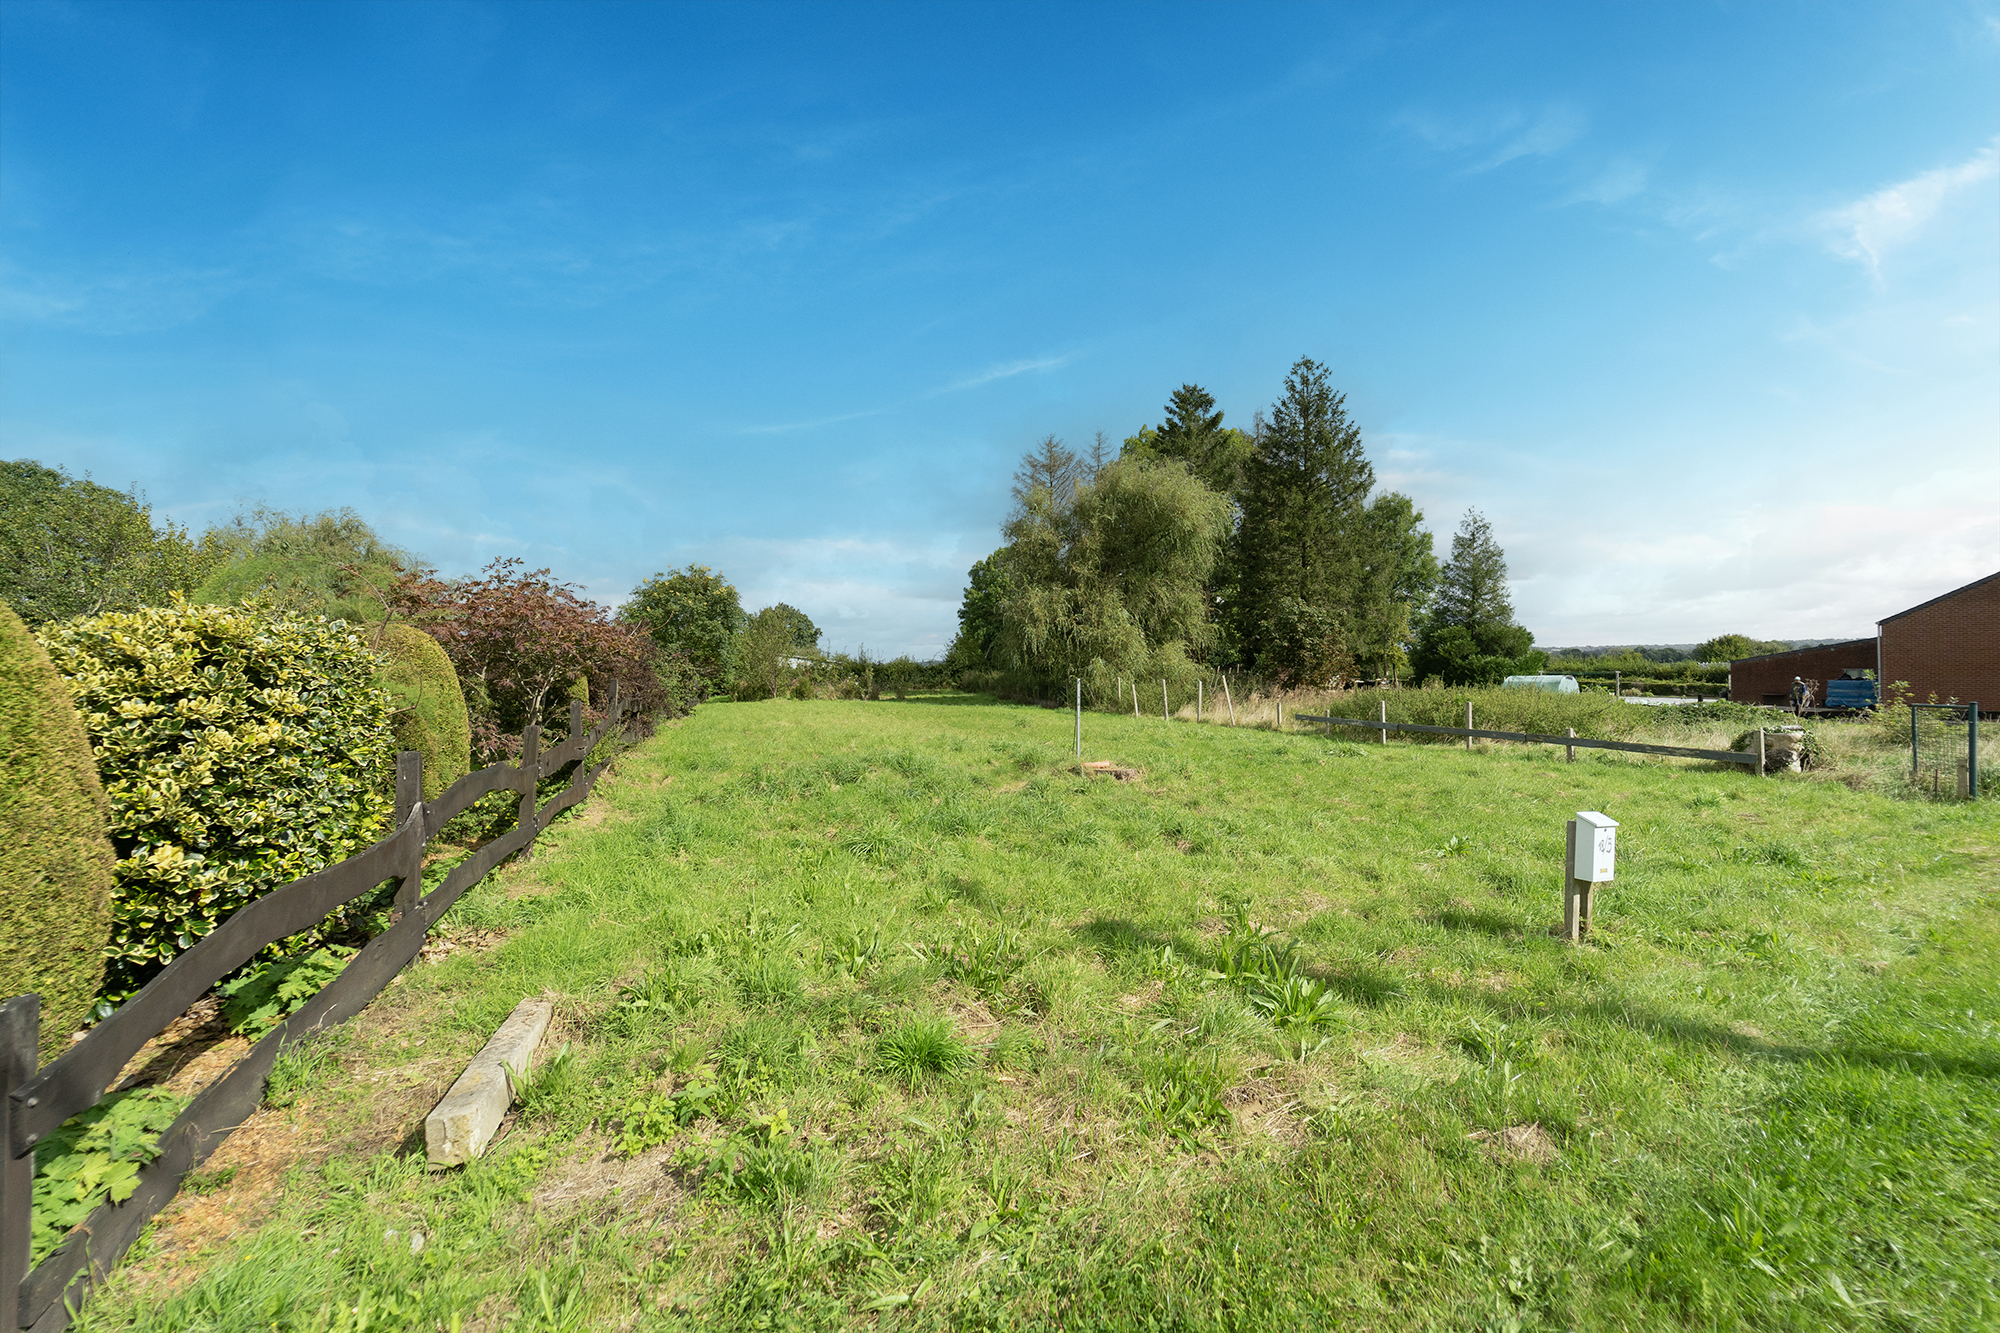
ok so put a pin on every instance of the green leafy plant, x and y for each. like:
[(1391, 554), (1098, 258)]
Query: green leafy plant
[(986, 963), (238, 750), (648, 1120), (545, 1090), (263, 997), (1182, 1095), (94, 1157), (922, 1048)]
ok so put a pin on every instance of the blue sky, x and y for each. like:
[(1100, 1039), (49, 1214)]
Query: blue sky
[(1699, 303)]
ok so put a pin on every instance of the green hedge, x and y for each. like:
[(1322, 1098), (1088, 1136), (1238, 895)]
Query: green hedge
[(55, 877), (430, 712), (238, 750)]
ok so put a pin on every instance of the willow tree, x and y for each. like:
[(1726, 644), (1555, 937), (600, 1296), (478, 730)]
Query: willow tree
[(1112, 580)]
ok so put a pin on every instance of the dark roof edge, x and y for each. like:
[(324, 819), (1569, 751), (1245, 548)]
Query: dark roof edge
[(1939, 598), (1794, 652)]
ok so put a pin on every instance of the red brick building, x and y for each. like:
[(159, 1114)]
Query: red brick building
[(1948, 646), (1768, 679)]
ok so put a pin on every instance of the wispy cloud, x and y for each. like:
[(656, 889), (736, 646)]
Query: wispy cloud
[(992, 374), (1500, 137), (1867, 229), (117, 303), (1002, 372)]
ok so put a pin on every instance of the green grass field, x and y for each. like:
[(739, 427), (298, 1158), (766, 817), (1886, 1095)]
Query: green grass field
[(873, 1016)]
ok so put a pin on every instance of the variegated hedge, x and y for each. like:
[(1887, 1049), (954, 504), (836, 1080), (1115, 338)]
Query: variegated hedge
[(238, 750)]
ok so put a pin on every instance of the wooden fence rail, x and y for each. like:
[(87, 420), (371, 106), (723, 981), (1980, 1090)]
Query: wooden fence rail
[(1581, 742), (36, 1102)]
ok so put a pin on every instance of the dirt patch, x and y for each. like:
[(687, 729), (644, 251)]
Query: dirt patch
[(1143, 998), (189, 1053), (642, 1185), (1266, 1107), (440, 947), (1521, 1143), (1105, 768)]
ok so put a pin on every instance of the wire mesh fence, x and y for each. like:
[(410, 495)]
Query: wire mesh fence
[(1947, 758)]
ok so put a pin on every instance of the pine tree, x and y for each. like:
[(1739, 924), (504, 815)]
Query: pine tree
[(1472, 587), (1193, 434), (1469, 637), (1304, 547)]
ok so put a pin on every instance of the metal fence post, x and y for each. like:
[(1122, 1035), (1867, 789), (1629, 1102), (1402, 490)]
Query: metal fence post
[(1972, 749), (1468, 725), (1913, 742), (20, 1034), (1079, 724), (1385, 721)]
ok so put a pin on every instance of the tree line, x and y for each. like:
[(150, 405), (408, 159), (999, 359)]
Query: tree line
[(523, 641), (1200, 546)]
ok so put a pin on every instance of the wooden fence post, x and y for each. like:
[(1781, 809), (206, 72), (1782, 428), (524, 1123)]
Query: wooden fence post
[(409, 795), (1570, 750), (1760, 752), (20, 1034), (575, 718), (531, 765), (1576, 893), (1165, 716), (1385, 722), (1229, 698), (1468, 725), (1197, 699)]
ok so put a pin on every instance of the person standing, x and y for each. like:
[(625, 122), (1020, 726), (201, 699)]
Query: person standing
[(1801, 696)]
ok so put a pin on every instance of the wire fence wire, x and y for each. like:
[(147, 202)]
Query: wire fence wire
[(1945, 745)]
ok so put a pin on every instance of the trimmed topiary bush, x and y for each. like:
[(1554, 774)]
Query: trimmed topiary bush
[(55, 876), (430, 709), (238, 751)]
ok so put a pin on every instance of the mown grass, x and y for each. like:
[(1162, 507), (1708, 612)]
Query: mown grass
[(876, 1017)]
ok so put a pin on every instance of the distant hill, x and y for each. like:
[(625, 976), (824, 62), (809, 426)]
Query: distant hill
[(1669, 652)]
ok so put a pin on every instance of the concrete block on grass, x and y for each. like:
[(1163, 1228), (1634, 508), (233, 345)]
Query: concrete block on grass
[(464, 1122)]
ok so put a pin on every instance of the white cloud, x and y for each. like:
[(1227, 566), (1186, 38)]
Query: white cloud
[(1869, 228), (1502, 136), (1001, 372)]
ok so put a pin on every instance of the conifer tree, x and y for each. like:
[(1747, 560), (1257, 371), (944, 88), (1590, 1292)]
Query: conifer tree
[(1304, 546), (1469, 637)]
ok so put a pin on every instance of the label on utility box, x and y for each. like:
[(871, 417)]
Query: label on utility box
[(1596, 847)]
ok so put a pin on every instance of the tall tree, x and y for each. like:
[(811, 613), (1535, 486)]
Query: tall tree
[(1193, 435), (1113, 580), (1303, 548), (695, 611), (74, 548), (1469, 637), (1399, 583), (805, 634), (1050, 466), (979, 617)]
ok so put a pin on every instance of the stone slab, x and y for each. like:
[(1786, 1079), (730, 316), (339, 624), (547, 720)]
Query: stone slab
[(461, 1126)]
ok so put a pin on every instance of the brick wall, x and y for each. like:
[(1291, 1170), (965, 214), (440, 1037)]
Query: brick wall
[(1768, 679), (1949, 646)]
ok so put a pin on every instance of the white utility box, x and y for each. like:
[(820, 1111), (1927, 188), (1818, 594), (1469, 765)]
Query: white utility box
[(1596, 847)]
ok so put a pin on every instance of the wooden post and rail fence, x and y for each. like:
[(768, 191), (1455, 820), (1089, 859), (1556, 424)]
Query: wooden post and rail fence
[(34, 1102), (1572, 742)]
